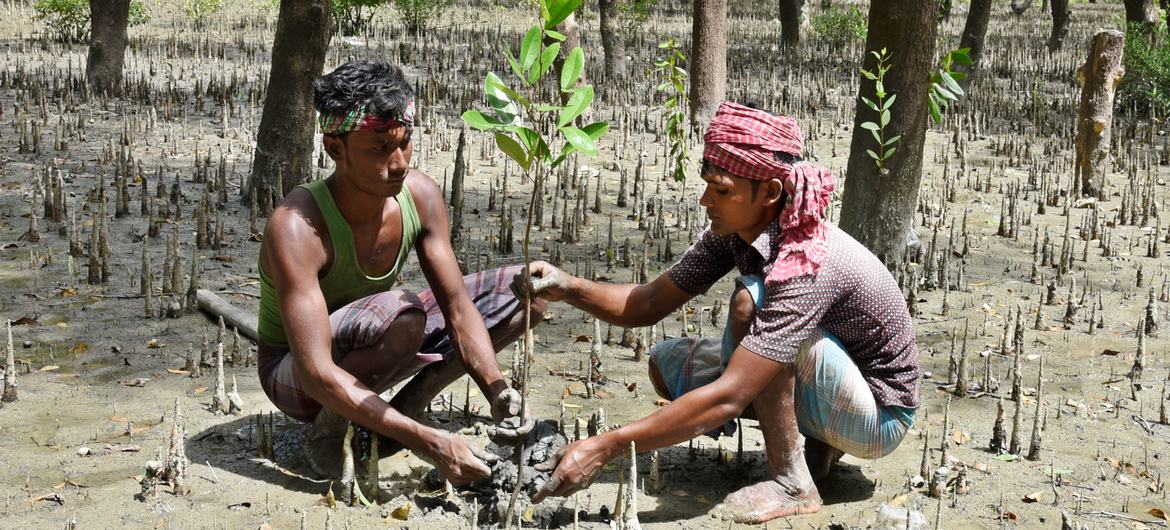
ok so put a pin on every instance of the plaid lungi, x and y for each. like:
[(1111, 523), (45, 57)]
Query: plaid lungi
[(833, 401), (362, 323)]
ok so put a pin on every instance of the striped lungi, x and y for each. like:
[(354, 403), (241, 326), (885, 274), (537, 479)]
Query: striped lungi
[(361, 324)]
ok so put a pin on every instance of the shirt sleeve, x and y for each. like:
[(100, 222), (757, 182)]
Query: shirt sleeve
[(708, 260), (789, 314)]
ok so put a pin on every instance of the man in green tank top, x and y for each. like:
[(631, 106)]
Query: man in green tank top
[(334, 332)]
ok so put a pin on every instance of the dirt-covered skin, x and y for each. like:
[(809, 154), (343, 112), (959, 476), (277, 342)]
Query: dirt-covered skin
[(101, 379)]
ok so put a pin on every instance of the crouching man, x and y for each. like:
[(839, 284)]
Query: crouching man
[(334, 331), (819, 343)]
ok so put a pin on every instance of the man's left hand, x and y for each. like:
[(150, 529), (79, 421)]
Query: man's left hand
[(513, 421)]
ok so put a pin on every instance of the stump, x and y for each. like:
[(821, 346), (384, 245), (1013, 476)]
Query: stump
[(1099, 77)]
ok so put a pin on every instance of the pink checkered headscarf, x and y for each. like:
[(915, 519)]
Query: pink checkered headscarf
[(743, 141)]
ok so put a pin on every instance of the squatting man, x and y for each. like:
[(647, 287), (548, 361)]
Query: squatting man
[(818, 345), (335, 333)]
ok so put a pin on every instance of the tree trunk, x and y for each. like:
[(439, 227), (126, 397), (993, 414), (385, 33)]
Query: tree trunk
[(107, 44), (1141, 12), (708, 60), (790, 16), (1166, 10), (284, 143), (878, 207), (974, 32), (1060, 16), (1100, 73), (613, 41)]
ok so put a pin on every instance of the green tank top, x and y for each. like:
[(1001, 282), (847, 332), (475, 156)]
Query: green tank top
[(345, 281)]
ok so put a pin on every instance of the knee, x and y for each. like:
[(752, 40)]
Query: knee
[(656, 380), (539, 305), (407, 329), (742, 309)]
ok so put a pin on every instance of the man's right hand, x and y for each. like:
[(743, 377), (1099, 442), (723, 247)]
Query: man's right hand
[(461, 462), (544, 281)]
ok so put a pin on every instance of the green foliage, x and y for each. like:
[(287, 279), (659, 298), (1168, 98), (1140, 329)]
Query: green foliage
[(527, 122), (635, 13), (353, 16), (944, 82), (840, 25), (416, 14), (68, 20), (672, 79), (199, 10), (1146, 84), (885, 146)]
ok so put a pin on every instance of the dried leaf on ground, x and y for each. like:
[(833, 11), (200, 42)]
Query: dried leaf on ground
[(1032, 497), (137, 381), (80, 347), (26, 321)]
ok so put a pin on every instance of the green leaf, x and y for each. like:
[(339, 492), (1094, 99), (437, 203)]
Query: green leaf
[(893, 140), (958, 76), (516, 68), (559, 10), (872, 154), (869, 103), (962, 56), (478, 120), (952, 85), (946, 94), (528, 137), (509, 147), (869, 125), (1007, 457), (571, 69), (499, 98), (597, 129), (547, 57), (934, 112), (889, 102), (868, 75), (530, 47), (885, 118), (580, 140), (555, 35), (544, 9), (877, 136), (889, 153), (577, 104), (879, 88)]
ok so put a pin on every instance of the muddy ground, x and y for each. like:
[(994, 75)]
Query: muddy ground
[(97, 381)]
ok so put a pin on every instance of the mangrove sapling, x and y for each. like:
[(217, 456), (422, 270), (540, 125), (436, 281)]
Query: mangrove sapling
[(525, 124)]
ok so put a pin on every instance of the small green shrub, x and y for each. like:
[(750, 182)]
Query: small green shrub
[(416, 14), (1146, 83), (199, 10), (840, 24), (353, 16), (68, 20)]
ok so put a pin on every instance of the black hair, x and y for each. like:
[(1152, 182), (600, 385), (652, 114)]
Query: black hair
[(381, 85)]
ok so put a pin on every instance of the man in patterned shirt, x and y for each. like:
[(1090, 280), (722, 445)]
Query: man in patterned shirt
[(819, 342)]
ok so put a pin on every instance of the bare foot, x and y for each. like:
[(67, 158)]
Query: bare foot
[(820, 457), (776, 497)]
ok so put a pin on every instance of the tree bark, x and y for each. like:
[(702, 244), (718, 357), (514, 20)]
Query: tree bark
[(284, 143), (1100, 74), (974, 32), (1060, 16), (107, 44), (708, 60), (790, 16), (1141, 12), (878, 207), (613, 41)]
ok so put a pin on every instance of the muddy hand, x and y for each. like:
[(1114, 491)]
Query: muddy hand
[(543, 280), (513, 421), (574, 468), (461, 462)]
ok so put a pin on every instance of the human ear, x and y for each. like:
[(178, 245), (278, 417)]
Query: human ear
[(773, 192), (334, 147)]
